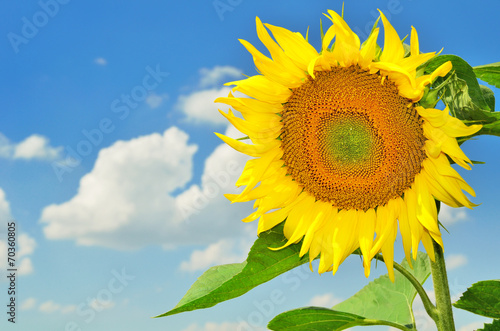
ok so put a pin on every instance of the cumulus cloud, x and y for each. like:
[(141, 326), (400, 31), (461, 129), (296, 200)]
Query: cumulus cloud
[(28, 304), (449, 215), (4, 206), (98, 305), (50, 307), (25, 245), (325, 300), (130, 198), (5, 147), (455, 261), (155, 100), (199, 106), (222, 252), (101, 61), (25, 267), (34, 147), (215, 76)]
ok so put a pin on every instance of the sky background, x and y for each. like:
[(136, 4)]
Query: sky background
[(112, 173)]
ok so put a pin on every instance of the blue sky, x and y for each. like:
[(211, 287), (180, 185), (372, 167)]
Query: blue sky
[(111, 170)]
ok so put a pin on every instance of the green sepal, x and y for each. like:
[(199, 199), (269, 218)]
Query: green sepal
[(482, 298)]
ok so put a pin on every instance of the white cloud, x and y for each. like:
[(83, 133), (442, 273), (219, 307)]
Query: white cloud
[(225, 326), (155, 100), (200, 107), (222, 252), (214, 76), (25, 244), (324, 300), (127, 201), (449, 215), (25, 267), (101, 61), (4, 206), (68, 309), (5, 147), (28, 304), (33, 147), (455, 261), (98, 305), (49, 307)]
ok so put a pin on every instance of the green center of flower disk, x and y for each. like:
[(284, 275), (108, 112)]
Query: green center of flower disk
[(348, 142)]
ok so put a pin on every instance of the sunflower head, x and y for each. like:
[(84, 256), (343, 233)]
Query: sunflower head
[(343, 152)]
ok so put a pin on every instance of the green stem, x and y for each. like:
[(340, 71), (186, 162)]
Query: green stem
[(429, 306), (443, 300)]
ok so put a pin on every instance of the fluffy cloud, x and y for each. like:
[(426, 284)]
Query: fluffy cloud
[(101, 61), (34, 147), (28, 304), (449, 215), (214, 76), (222, 252), (25, 267), (155, 100), (25, 244), (455, 261), (4, 206), (200, 107), (128, 199), (50, 307), (324, 300)]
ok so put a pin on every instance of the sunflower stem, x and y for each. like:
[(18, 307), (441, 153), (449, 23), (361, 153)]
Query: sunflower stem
[(444, 320)]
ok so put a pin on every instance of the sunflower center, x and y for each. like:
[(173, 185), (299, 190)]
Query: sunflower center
[(347, 141), (349, 138)]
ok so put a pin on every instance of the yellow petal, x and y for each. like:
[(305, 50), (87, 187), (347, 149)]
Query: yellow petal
[(393, 48), (369, 49), (260, 87), (367, 222), (294, 46), (252, 150)]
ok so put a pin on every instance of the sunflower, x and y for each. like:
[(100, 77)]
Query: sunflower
[(343, 153)]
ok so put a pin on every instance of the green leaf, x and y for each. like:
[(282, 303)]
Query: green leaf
[(466, 99), (384, 300), (229, 281), (495, 326), (490, 73), (315, 319), (463, 72), (482, 298)]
